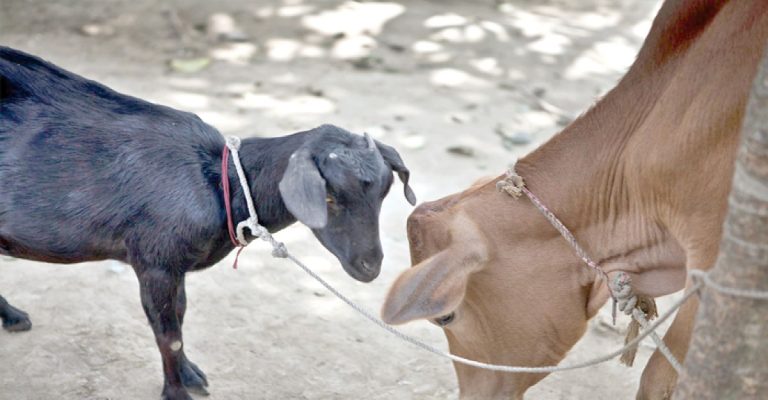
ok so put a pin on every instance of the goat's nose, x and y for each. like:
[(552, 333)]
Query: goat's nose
[(372, 261), (367, 266)]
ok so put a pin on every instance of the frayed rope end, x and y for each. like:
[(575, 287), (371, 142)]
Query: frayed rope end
[(512, 184), (648, 306)]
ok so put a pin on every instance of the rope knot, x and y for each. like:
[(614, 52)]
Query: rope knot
[(259, 231), (698, 278), (253, 226), (621, 286), (279, 250), (512, 184), (233, 142)]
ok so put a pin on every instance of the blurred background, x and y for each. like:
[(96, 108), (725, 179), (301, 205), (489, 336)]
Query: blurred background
[(461, 88)]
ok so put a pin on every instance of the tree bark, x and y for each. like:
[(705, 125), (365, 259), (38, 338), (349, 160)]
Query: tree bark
[(728, 357)]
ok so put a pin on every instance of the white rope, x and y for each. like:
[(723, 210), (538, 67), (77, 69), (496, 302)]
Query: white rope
[(280, 251), (735, 292), (628, 302), (252, 222), (665, 351), (488, 366)]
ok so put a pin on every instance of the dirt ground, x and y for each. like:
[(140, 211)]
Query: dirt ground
[(461, 88)]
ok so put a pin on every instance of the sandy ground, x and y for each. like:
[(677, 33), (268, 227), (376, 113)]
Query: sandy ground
[(437, 79)]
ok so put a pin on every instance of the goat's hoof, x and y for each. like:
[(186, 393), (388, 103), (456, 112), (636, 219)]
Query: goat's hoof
[(15, 320), (198, 390), (193, 378), (175, 393)]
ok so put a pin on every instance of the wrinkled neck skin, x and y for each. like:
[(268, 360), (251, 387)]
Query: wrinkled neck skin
[(641, 180)]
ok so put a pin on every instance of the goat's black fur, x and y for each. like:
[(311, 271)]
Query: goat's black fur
[(87, 173)]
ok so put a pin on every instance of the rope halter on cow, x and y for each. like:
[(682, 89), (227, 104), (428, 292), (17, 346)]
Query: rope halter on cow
[(514, 184), (640, 308)]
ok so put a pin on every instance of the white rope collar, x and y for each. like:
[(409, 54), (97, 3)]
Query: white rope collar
[(252, 222)]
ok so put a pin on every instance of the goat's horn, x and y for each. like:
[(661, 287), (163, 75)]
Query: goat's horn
[(371, 143)]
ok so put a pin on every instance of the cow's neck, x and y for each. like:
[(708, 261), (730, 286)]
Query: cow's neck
[(642, 178), (582, 176)]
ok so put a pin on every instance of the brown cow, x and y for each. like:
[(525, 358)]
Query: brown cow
[(641, 179)]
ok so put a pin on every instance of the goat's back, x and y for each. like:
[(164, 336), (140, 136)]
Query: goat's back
[(95, 164)]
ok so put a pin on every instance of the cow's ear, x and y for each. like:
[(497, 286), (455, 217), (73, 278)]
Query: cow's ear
[(436, 286)]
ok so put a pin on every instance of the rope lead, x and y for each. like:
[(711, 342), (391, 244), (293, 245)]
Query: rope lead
[(279, 250)]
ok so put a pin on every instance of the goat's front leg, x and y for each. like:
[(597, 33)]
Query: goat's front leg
[(192, 377), (159, 294)]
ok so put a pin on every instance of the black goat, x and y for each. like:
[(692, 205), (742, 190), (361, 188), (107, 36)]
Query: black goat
[(90, 174)]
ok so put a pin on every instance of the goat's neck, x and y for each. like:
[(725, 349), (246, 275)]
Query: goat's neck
[(264, 161)]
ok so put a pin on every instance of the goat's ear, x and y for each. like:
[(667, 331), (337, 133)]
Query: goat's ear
[(437, 285), (392, 157), (303, 190)]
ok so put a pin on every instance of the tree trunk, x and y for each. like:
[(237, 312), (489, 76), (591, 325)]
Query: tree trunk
[(728, 358)]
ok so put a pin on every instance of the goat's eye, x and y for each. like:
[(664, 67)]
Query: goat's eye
[(445, 319), (329, 199)]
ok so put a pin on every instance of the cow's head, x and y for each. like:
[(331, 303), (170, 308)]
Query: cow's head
[(335, 183), (501, 283)]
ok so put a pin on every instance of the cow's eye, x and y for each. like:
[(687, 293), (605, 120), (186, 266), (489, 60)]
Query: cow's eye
[(445, 319)]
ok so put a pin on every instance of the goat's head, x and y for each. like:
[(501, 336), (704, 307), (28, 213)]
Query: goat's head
[(335, 183)]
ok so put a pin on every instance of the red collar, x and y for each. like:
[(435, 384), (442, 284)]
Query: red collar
[(228, 203)]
